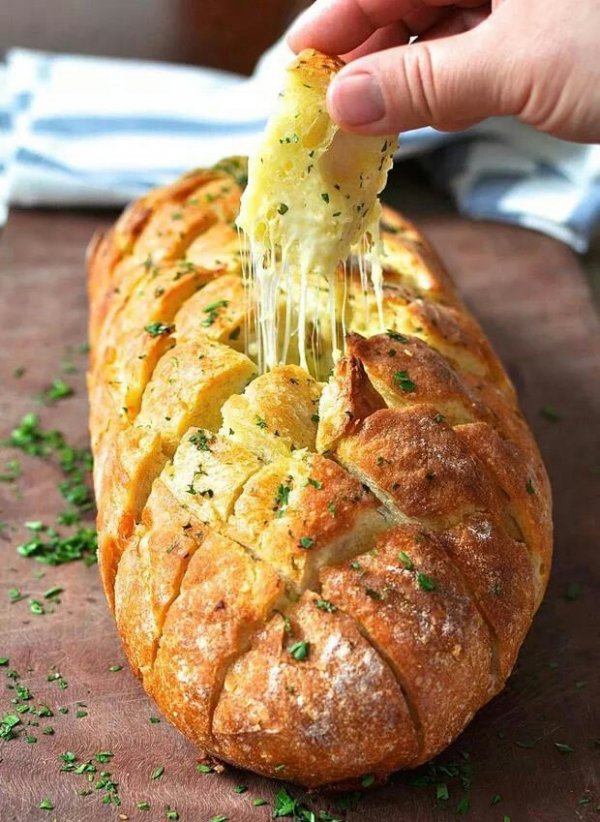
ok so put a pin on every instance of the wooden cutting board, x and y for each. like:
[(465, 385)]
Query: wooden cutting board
[(532, 299)]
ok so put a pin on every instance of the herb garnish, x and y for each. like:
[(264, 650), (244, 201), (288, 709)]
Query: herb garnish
[(403, 381), (59, 390), (425, 583), (549, 413), (200, 440), (212, 311), (282, 497), (158, 329), (299, 650), (306, 542), (286, 806), (12, 471), (405, 560)]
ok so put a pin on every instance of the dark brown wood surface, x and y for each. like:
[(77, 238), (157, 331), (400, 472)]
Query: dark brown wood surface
[(533, 301), (229, 34)]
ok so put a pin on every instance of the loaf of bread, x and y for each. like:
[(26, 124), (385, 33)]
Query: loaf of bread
[(314, 579)]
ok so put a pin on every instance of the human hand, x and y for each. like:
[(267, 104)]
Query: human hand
[(538, 60)]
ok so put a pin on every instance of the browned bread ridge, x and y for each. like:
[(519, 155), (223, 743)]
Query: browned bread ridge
[(312, 581)]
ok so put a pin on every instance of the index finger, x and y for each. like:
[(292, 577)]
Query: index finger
[(338, 26)]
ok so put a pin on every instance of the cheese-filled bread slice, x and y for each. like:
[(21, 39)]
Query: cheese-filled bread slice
[(312, 196)]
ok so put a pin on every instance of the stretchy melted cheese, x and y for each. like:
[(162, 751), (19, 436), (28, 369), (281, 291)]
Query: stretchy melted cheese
[(311, 200)]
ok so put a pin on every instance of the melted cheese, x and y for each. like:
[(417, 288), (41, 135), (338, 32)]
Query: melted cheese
[(311, 200)]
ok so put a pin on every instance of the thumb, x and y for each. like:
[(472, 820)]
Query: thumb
[(449, 83)]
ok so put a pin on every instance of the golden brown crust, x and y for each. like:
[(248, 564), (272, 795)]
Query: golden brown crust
[(312, 581), (334, 706)]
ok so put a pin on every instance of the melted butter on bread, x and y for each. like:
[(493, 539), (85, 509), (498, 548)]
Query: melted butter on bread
[(311, 200)]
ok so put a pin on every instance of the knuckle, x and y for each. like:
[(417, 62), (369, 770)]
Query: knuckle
[(419, 84)]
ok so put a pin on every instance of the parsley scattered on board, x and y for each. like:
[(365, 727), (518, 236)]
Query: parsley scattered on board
[(59, 390)]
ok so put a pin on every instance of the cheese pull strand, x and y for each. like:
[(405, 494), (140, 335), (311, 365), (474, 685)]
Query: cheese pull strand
[(310, 216)]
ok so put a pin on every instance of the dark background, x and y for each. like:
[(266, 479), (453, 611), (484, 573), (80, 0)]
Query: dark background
[(228, 34)]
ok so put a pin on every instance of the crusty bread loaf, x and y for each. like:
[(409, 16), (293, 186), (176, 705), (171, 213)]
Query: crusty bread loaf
[(227, 539), (314, 581)]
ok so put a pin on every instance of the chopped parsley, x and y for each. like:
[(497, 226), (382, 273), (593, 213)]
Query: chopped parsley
[(315, 483), (325, 197), (282, 208), (325, 605), (282, 497), (157, 772), (306, 542), (48, 547), (529, 487), (572, 591), (33, 440), (550, 414), (200, 440), (36, 607), (158, 329), (12, 471), (405, 560), (438, 775), (260, 422), (286, 806), (299, 650), (403, 381), (7, 725), (564, 748), (59, 390), (395, 335), (425, 583), (212, 310)]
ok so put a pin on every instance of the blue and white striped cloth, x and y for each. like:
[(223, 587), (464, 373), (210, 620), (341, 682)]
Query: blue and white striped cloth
[(94, 131)]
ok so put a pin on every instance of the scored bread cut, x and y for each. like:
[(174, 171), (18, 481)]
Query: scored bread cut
[(316, 575)]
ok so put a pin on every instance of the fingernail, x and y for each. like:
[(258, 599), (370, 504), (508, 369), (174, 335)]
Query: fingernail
[(356, 99)]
